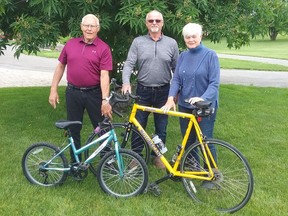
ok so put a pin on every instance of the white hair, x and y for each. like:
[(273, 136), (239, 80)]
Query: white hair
[(90, 16), (192, 29), (155, 12)]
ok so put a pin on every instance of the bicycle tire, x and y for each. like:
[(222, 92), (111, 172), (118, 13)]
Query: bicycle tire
[(36, 156), (133, 138), (135, 174), (233, 186), (121, 130)]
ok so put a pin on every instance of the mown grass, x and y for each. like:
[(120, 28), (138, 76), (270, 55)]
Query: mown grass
[(250, 65), (252, 119), (260, 47)]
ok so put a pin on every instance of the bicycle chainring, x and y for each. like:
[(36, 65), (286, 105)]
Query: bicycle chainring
[(79, 172)]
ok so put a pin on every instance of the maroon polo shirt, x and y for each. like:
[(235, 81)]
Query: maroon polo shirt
[(85, 61)]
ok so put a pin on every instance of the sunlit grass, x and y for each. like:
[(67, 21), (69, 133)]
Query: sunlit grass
[(258, 47), (250, 65), (252, 119)]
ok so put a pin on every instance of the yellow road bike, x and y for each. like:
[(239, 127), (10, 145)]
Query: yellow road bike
[(225, 182)]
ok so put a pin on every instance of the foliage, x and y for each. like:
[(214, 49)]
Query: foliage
[(271, 17), (36, 23)]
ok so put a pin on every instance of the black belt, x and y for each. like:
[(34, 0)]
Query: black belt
[(152, 87), (83, 88)]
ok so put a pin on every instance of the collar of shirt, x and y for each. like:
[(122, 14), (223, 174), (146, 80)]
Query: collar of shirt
[(95, 41), (158, 38), (197, 49)]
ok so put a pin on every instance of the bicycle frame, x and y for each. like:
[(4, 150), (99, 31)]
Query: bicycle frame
[(192, 122), (106, 138)]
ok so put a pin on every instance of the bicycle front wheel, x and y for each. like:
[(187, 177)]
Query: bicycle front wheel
[(34, 159), (233, 184), (129, 180)]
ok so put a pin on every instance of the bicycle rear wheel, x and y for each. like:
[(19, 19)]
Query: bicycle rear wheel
[(233, 184), (135, 174), (127, 138), (34, 159), (130, 138)]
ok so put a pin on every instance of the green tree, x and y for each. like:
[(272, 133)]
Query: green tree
[(37, 23), (270, 18)]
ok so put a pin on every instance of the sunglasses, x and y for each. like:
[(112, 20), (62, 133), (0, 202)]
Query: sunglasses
[(154, 20)]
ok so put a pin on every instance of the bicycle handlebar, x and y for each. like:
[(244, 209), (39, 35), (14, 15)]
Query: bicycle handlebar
[(114, 84), (203, 108), (116, 98)]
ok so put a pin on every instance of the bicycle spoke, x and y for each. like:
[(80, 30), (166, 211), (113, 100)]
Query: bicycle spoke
[(233, 184), (34, 160), (134, 179)]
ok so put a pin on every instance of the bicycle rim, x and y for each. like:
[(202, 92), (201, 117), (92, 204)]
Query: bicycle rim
[(135, 174), (34, 159), (233, 184)]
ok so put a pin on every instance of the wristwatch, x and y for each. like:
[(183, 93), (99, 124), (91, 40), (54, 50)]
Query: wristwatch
[(106, 98)]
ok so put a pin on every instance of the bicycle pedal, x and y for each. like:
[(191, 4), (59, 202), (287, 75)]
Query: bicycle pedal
[(154, 188), (79, 175)]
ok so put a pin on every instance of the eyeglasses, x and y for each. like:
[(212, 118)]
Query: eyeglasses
[(154, 20), (89, 26)]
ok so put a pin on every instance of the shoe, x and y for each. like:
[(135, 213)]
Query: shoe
[(158, 163)]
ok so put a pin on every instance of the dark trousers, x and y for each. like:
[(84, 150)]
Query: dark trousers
[(77, 101), (206, 124), (155, 97)]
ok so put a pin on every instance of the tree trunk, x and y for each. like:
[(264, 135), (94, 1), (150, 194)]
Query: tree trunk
[(273, 33)]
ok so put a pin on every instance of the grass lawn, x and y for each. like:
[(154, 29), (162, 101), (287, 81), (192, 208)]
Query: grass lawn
[(250, 65), (261, 47), (252, 119)]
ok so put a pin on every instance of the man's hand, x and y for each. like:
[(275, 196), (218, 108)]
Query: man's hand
[(54, 99), (126, 88), (106, 109)]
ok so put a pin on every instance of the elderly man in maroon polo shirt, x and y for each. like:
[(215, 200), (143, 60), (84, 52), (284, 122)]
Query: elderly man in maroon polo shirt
[(88, 61)]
